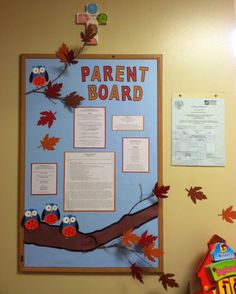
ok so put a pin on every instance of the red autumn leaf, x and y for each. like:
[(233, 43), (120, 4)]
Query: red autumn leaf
[(168, 280), (228, 214), (48, 143), (52, 91), (47, 117), (146, 239), (73, 100), (65, 55), (129, 238), (195, 194), (89, 33), (161, 192), (136, 272), (151, 252)]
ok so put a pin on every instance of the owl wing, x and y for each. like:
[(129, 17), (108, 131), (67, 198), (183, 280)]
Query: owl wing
[(77, 226), (46, 75), (43, 214), (58, 214), (31, 77)]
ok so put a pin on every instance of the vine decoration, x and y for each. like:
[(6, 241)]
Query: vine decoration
[(52, 89), (143, 246)]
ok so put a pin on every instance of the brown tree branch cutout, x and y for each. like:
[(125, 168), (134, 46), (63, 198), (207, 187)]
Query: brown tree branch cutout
[(49, 236)]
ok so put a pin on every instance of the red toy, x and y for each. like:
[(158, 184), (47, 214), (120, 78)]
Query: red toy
[(217, 270)]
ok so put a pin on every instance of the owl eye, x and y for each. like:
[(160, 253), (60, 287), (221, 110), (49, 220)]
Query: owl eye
[(34, 212), (72, 219), (48, 207), (35, 70), (28, 213), (54, 207), (66, 220), (42, 69)]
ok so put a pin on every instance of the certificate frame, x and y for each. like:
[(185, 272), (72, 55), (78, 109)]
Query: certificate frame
[(28, 242)]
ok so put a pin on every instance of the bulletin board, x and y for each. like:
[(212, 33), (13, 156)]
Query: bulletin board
[(90, 163)]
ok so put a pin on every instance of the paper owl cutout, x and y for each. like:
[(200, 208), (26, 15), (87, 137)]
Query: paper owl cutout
[(31, 219), (51, 213), (39, 76), (69, 226)]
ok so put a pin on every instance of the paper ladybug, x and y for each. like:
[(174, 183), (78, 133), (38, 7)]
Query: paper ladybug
[(51, 213), (39, 76), (69, 226), (31, 219)]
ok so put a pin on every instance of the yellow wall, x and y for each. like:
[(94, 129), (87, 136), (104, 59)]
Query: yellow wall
[(194, 37)]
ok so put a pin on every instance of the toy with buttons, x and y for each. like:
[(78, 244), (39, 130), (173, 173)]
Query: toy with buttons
[(217, 270)]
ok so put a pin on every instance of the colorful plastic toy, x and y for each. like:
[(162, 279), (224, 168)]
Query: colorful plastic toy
[(217, 270)]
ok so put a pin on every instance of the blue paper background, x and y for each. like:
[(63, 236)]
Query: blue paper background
[(127, 184)]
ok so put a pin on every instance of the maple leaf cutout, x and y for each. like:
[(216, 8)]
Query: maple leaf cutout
[(73, 100), (168, 280), (47, 117), (129, 238), (195, 194), (52, 90), (48, 143), (160, 192), (89, 33), (228, 214), (146, 239), (136, 272), (151, 252), (65, 55)]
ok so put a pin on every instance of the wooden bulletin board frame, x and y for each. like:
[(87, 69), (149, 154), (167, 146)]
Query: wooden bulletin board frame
[(148, 71)]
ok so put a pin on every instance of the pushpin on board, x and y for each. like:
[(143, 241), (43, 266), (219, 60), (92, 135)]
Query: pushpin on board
[(92, 16)]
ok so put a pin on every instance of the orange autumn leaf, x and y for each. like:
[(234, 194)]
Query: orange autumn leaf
[(129, 238), (151, 252), (228, 214), (65, 55), (48, 143)]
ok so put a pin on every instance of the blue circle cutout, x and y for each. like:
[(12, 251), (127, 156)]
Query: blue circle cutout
[(92, 8)]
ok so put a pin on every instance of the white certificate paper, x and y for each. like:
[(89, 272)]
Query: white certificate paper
[(43, 178), (135, 155), (89, 181), (89, 127), (127, 123), (198, 135)]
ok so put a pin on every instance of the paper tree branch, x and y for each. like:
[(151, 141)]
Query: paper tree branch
[(49, 236)]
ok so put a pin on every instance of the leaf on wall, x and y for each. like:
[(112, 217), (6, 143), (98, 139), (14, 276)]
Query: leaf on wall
[(89, 34), (65, 55), (168, 280), (47, 118), (160, 191), (136, 272), (130, 238), (48, 143), (228, 214), (195, 194)]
